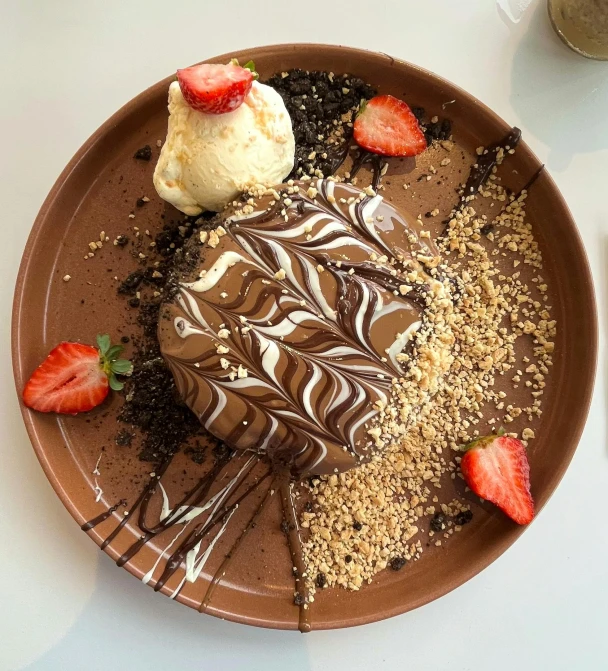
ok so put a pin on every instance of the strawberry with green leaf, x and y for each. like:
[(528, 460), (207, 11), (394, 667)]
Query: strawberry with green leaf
[(75, 377)]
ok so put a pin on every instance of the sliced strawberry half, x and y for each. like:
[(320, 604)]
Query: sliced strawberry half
[(496, 468), (215, 89), (387, 126), (75, 377)]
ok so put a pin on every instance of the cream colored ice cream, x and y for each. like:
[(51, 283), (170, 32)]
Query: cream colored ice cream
[(208, 159)]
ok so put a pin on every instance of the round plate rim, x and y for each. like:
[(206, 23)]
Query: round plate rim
[(19, 297)]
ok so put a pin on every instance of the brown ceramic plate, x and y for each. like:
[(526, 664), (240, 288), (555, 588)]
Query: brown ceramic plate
[(97, 190)]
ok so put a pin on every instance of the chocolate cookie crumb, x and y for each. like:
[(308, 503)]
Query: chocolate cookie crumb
[(124, 438), (197, 454), (130, 285), (152, 406), (438, 522), (439, 130), (463, 517), (322, 107), (419, 113), (143, 154), (397, 563)]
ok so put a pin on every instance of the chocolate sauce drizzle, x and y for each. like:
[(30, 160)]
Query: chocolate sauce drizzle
[(103, 517), (377, 163), (528, 184), (292, 532), (482, 168), (199, 494)]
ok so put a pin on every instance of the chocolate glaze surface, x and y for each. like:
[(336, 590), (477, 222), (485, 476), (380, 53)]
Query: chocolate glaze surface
[(287, 341)]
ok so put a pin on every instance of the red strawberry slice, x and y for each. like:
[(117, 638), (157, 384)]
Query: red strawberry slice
[(69, 380), (75, 378), (215, 89), (387, 126), (496, 468)]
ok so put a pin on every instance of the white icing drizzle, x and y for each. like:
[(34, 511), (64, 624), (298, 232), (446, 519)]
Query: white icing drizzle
[(98, 492), (194, 566), (216, 272), (358, 372), (146, 579), (96, 469), (194, 570)]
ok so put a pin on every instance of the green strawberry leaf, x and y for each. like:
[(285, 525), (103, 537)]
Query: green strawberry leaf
[(110, 363), (121, 367), (250, 65), (113, 353), (103, 342), (115, 384)]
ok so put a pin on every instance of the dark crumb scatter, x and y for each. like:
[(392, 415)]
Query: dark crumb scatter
[(488, 228), (153, 407), (418, 112), (152, 404), (221, 452), (463, 517), (284, 527), (440, 130), (308, 507), (121, 240), (397, 563), (130, 285), (321, 580), (143, 154), (298, 599), (438, 522), (320, 115), (140, 202), (197, 454), (357, 526), (124, 438)]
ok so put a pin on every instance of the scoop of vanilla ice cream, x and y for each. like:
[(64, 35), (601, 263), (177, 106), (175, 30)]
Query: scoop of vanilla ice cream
[(208, 159)]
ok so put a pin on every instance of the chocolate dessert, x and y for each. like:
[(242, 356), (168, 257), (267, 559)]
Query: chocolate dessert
[(287, 340)]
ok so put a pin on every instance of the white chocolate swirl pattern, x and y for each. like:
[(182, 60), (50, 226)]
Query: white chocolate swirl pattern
[(288, 340)]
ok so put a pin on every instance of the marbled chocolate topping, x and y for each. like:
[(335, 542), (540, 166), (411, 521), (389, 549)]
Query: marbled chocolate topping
[(287, 341)]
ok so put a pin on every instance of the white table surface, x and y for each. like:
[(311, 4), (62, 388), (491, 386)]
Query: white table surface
[(66, 66)]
